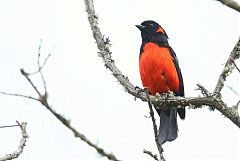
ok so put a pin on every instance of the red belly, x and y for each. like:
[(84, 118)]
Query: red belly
[(157, 70)]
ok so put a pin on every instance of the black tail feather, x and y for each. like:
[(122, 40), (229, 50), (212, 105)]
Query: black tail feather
[(168, 130)]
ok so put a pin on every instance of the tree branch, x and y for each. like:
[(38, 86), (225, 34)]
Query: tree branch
[(43, 99), (231, 3), (41, 67), (18, 95), (38, 60), (76, 133), (154, 156), (26, 75), (157, 141), (20, 148), (235, 65), (228, 68), (1, 127)]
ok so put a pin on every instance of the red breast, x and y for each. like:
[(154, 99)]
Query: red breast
[(157, 69)]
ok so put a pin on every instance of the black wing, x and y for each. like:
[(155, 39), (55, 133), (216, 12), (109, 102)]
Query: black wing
[(181, 111)]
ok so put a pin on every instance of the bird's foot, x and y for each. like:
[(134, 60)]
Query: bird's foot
[(138, 90)]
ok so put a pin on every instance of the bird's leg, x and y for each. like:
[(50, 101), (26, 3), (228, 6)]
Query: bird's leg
[(138, 90)]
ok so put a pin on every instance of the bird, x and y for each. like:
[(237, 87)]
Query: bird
[(160, 73)]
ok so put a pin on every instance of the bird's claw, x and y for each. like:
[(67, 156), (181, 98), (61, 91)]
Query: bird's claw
[(138, 90)]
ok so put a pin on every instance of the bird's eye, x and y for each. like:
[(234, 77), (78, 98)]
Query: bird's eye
[(151, 24)]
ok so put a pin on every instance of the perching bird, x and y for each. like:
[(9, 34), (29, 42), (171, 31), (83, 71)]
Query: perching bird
[(160, 73)]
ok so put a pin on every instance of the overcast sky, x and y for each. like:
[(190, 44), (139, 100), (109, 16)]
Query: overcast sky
[(202, 33)]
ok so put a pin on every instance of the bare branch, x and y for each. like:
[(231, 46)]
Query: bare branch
[(228, 68), (8, 126), (20, 148), (103, 46), (238, 103), (157, 141), (66, 123), (231, 3), (154, 156), (43, 99), (26, 75), (39, 71), (18, 95), (40, 67), (203, 90), (236, 65), (232, 90)]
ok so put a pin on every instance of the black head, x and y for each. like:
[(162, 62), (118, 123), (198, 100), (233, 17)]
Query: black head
[(151, 31)]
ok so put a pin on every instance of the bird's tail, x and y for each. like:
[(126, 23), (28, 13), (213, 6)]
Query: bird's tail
[(168, 130)]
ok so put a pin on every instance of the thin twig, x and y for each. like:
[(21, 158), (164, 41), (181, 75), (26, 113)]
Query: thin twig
[(231, 3), (154, 156), (232, 90), (18, 95), (20, 148), (235, 65), (238, 103), (46, 59), (205, 93), (157, 141), (25, 74), (203, 90), (236, 106), (6, 126), (40, 68)]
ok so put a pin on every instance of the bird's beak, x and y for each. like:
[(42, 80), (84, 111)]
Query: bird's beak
[(140, 27)]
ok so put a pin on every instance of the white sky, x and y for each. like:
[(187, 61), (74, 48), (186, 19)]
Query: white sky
[(202, 33)]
